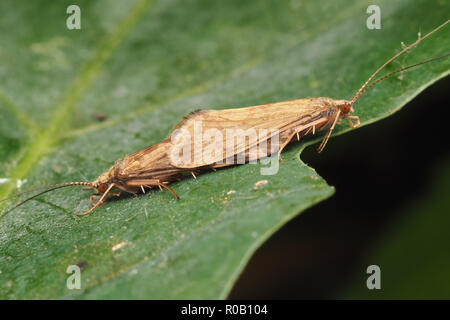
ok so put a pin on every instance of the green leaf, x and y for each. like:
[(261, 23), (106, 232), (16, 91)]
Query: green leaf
[(145, 64)]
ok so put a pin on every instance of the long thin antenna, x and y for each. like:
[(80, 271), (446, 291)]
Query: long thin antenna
[(400, 70), (359, 92), (36, 195), (50, 188), (53, 186)]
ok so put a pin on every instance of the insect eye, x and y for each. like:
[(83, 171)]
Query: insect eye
[(102, 188), (345, 108)]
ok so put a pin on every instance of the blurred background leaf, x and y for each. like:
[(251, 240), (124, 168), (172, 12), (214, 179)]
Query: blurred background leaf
[(142, 65), (413, 256)]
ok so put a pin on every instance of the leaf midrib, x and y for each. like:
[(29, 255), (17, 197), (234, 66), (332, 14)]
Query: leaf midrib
[(42, 143)]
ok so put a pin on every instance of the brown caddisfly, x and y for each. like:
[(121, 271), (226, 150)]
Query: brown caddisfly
[(156, 166)]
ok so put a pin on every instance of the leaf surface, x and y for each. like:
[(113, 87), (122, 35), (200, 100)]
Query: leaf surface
[(143, 65)]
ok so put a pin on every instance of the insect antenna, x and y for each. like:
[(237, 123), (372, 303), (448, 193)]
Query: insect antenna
[(360, 91), (402, 69), (48, 189)]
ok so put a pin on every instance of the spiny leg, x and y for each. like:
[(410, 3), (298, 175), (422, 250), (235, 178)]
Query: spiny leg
[(296, 132), (308, 131), (160, 185), (310, 126), (149, 183), (168, 188), (325, 140), (285, 144)]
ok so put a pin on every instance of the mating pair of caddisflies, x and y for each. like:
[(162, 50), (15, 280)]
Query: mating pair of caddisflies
[(154, 167)]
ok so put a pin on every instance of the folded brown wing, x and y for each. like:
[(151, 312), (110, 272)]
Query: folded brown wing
[(151, 162), (282, 118)]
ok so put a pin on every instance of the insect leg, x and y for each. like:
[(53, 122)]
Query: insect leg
[(170, 189), (99, 202), (352, 125), (308, 131), (92, 199), (296, 132), (310, 126), (327, 136), (150, 183), (98, 196), (286, 143)]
